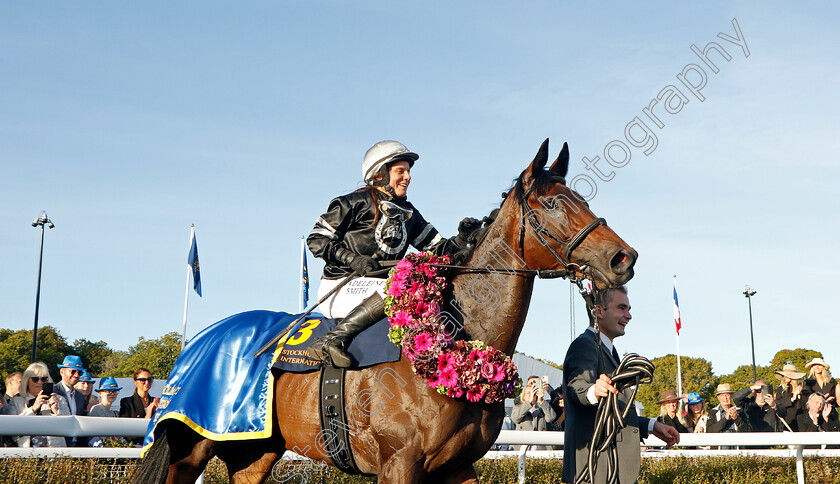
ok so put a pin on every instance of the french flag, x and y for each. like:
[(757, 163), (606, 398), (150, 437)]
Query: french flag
[(677, 320)]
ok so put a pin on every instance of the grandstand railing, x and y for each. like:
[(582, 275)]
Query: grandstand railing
[(70, 426)]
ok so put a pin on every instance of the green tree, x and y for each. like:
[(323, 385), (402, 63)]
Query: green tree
[(550, 363), (697, 377), (156, 355), (16, 350), (799, 357), (112, 363), (93, 355)]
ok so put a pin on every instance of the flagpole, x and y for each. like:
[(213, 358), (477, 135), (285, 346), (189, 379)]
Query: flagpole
[(187, 294), (679, 368), (300, 293)]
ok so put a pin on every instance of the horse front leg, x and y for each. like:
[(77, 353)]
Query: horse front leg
[(189, 459), (402, 468), (250, 461), (466, 475)]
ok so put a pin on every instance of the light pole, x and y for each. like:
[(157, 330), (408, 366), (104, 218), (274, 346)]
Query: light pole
[(39, 222), (749, 293)]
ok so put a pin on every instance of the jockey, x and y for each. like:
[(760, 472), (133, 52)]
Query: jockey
[(372, 224)]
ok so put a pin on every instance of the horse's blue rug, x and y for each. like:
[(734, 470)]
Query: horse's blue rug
[(222, 392)]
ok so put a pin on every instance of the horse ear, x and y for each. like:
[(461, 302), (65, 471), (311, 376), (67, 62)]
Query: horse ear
[(561, 164), (540, 160)]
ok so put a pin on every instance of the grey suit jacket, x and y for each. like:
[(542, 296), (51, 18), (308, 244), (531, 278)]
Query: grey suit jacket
[(580, 371)]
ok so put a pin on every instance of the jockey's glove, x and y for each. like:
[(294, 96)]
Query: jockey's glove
[(364, 265)]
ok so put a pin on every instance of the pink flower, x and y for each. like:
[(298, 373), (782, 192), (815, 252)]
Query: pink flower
[(400, 277), (395, 289), (476, 355), (427, 269), (448, 377), (487, 370), (421, 307), (445, 361), (435, 380), (401, 318), (455, 392), (432, 310), (475, 393), (404, 265), (423, 342), (414, 288), (500, 374)]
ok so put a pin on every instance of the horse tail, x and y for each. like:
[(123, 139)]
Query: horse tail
[(154, 467)]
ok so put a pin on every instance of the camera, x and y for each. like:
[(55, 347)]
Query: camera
[(767, 389), (47, 388)]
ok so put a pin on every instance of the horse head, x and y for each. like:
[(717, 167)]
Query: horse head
[(557, 230)]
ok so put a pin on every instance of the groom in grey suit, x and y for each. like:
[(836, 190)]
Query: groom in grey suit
[(586, 381)]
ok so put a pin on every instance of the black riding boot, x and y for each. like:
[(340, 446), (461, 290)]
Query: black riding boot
[(331, 347)]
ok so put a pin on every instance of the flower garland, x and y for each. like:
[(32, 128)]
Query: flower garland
[(459, 369)]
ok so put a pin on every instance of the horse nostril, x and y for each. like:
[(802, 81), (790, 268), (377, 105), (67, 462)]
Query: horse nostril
[(622, 261)]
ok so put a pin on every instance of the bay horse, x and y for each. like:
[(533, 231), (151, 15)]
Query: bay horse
[(405, 432)]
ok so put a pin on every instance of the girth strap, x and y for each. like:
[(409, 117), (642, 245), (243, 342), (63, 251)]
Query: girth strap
[(334, 419)]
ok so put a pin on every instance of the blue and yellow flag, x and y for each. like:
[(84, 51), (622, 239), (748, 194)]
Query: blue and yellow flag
[(192, 260)]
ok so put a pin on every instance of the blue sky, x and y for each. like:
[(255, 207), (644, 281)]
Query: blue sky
[(128, 123)]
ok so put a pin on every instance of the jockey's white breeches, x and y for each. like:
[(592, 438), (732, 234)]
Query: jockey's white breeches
[(349, 296)]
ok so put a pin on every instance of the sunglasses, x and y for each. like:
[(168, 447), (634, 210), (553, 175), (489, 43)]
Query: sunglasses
[(75, 372), (36, 379), (145, 380), (110, 391)]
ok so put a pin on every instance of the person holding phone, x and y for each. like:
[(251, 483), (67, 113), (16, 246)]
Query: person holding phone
[(763, 413), (534, 411), (38, 398)]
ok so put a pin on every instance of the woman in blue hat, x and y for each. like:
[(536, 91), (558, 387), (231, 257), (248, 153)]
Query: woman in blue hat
[(696, 415), (108, 392)]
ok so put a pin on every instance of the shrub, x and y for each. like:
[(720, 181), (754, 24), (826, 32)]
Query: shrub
[(679, 470)]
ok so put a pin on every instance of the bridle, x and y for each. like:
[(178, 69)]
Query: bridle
[(569, 270), (540, 232)]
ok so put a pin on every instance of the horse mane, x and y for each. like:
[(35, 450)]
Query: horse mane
[(543, 181)]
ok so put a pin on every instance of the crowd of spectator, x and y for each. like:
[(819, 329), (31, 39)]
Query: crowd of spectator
[(34, 393), (798, 404)]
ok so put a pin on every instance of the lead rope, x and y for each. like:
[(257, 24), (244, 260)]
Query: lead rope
[(610, 418)]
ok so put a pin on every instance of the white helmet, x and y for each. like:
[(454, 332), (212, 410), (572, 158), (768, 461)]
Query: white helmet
[(383, 153)]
